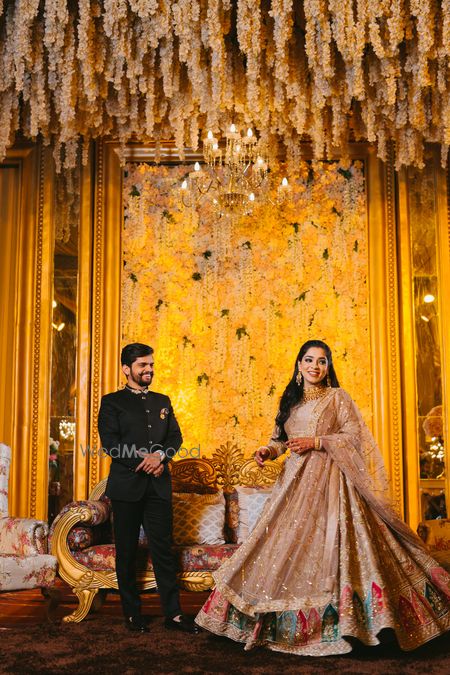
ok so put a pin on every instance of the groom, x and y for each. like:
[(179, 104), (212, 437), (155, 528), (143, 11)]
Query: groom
[(139, 431)]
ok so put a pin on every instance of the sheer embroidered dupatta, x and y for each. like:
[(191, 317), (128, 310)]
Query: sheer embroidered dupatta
[(348, 441)]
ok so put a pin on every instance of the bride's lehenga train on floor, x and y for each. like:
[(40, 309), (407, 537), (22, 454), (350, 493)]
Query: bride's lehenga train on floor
[(329, 558)]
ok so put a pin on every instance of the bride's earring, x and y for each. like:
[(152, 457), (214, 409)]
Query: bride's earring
[(328, 380), (299, 378)]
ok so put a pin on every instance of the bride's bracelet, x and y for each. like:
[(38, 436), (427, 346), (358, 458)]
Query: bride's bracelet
[(317, 443), (272, 452)]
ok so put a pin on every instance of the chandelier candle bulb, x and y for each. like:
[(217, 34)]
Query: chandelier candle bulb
[(249, 139), (234, 176)]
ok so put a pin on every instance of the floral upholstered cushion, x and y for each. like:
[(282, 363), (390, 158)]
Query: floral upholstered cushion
[(100, 515), (17, 573), (198, 519), (189, 558), (5, 459), (251, 503), (102, 557), (199, 558), (23, 536), (231, 517), (81, 537)]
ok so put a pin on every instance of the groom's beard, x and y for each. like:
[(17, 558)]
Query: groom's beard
[(142, 380)]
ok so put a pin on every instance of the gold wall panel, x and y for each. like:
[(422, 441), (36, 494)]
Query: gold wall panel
[(387, 426), (435, 177), (27, 233)]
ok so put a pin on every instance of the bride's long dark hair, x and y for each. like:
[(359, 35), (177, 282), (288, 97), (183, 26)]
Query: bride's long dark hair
[(293, 393)]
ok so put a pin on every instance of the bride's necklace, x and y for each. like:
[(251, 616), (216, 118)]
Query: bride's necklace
[(313, 393)]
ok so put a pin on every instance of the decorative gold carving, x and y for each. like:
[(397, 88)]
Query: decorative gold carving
[(97, 333), (35, 397), (195, 472), (250, 474), (85, 599), (83, 438), (196, 581), (227, 460), (395, 409), (98, 491)]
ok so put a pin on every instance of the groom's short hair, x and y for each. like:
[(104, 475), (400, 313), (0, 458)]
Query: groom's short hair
[(133, 351)]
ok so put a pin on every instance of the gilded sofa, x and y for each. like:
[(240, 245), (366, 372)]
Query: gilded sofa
[(24, 561), (81, 535)]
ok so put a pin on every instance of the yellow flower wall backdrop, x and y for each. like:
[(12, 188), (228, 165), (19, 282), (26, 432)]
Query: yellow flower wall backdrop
[(226, 305)]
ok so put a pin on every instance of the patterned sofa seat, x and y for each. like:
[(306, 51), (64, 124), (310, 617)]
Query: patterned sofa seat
[(24, 561), (82, 539)]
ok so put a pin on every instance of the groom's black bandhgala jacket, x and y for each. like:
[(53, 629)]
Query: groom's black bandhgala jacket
[(128, 423)]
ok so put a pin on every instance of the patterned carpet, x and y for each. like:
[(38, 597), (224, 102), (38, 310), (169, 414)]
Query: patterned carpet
[(102, 645), (31, 645)]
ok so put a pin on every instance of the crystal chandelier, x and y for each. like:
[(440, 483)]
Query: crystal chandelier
[(234, 175)]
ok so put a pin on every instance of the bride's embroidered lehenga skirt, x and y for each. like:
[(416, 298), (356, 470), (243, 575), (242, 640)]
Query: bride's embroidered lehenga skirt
[(320, 565)]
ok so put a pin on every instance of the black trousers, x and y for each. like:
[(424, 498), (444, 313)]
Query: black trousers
[(155, 514)]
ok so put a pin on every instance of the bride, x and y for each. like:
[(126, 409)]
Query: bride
[(329, 558)]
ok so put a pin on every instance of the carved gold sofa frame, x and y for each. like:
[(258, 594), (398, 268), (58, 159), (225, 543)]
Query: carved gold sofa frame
[(225, 469)]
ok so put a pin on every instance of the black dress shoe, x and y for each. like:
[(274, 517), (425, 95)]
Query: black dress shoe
[(185, 624), (136, 624)]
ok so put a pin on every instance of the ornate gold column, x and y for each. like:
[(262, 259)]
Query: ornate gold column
[(384, 326), (106, 298), (84, 328), (26, 259)]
